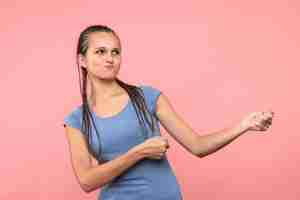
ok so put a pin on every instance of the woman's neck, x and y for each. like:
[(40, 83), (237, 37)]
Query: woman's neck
[(100, 91)]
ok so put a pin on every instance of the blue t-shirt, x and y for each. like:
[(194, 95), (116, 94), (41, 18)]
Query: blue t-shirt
[(148, 179)]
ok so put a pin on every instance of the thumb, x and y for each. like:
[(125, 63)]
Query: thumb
[(166, 140)]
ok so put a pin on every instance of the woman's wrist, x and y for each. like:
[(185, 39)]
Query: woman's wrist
[(137, 152), (240, 128)]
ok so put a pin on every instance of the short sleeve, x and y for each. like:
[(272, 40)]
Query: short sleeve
[(151, 94), (73, 119)]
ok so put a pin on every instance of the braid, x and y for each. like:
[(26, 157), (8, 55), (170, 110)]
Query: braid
[(135, 94)]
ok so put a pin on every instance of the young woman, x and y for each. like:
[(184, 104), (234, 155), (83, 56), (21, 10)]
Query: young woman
[(114, 137)]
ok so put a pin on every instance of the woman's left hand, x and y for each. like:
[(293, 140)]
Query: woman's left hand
[(257, 121)]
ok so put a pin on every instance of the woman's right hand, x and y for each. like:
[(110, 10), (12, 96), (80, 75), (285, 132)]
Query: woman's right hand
[(153, 148)]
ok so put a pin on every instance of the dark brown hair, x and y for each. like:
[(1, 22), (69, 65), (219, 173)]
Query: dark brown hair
[(135, 93)]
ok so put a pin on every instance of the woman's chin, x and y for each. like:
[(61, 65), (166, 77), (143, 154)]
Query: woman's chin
[(107, 78)]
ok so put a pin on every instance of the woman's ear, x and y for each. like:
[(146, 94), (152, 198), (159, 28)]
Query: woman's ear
[(81, 60)]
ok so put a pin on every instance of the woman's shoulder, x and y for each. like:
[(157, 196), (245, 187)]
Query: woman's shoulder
[(151, 94), (75, 111), (73, 118), (148, 89)]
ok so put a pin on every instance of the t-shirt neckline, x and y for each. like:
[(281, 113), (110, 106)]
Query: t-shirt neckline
[(115, 115)]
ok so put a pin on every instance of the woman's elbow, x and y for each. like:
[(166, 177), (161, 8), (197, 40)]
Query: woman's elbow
[(197, 151), (198, 154), (85, 185), (86, 188)]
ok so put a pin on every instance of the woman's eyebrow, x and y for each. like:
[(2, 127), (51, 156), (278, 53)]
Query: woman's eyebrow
[(105, 48)]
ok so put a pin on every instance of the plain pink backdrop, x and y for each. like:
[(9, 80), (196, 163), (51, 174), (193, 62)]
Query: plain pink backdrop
[(216, 60)]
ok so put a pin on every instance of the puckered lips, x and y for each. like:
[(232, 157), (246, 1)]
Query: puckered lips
[(108, 66)]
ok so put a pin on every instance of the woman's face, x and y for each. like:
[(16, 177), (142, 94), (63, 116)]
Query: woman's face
[(103, 56)]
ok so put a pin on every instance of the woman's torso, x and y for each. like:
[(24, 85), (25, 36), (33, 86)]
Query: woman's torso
[(148, 179)]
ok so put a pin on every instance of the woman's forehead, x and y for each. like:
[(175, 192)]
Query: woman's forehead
[(103, 39)]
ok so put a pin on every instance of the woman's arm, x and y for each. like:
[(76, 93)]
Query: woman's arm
[(100, 175), (90, 176), (215, 140), (199, 145)]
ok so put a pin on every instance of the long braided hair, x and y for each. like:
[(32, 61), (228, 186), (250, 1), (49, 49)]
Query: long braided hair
[(135, 93)]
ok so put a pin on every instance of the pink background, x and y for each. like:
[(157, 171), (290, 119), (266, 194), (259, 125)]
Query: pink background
[(217, 61)]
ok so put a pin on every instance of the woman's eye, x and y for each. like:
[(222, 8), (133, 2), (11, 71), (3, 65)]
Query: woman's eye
[(116, 52), (100, 51)]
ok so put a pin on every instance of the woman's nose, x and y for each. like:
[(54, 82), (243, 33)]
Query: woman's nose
[(109, 58)]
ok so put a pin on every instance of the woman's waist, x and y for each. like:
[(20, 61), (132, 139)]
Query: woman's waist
[(145, 172)]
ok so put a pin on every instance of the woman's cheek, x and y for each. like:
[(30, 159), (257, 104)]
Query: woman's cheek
[(97, 59), (98, 63)]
